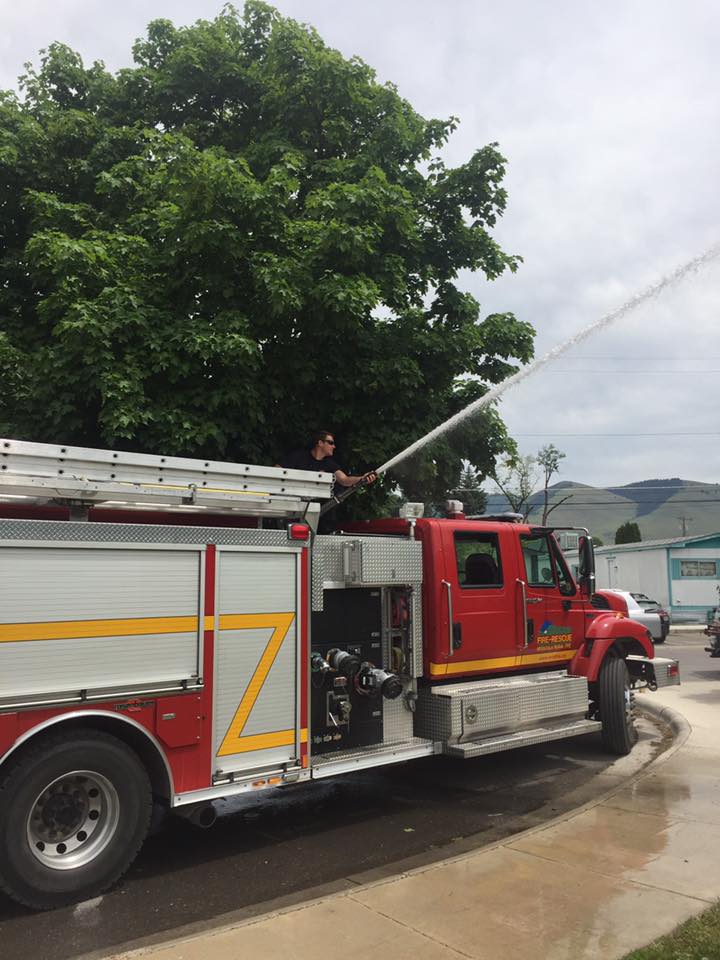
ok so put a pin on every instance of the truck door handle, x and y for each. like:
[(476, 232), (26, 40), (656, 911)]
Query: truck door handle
[(534, 600), (523, 593), (451, 638)]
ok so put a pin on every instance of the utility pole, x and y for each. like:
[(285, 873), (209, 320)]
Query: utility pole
[(684, 521)]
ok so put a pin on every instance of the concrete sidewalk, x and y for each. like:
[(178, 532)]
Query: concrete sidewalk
[(611, 877)]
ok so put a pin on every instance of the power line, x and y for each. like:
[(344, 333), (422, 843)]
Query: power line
[(678, 356), (624, 370), (628, 504), (584, 489), (633, 436)]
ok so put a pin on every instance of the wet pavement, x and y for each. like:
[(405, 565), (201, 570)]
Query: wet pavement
[(597, 883), (292, 845)]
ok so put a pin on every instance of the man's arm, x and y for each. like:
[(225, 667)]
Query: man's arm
[(345, 481)]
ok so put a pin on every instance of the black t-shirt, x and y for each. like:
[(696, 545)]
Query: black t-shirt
[(304, 460)]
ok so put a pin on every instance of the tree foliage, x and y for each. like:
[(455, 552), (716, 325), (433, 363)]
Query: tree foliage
[(628, 532), (240, 238), (470, 492), (548, 459), (516, 478)]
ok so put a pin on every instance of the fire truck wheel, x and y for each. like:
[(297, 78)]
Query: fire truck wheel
[(616, 706), (74, 812)]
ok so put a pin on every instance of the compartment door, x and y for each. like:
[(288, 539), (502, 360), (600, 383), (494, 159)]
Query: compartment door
[(257, 666)]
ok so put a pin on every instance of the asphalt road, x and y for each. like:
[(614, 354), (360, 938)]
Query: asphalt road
[(294, 844)]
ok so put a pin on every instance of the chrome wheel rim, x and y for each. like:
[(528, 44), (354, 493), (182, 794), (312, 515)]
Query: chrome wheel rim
[(73, 819)]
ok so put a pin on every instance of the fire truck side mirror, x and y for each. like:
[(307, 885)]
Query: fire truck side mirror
[(586, 565)]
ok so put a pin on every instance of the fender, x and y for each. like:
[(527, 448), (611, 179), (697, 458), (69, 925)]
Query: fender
[(608, 630)]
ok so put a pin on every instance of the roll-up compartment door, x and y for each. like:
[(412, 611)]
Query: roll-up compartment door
[(256, 660)]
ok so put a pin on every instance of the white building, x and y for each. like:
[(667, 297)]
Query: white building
[(682, 573)]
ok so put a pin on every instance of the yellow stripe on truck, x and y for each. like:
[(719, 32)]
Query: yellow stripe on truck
[(265, 741), (133, 626), (70, 629), (499, 663), (280, 624)]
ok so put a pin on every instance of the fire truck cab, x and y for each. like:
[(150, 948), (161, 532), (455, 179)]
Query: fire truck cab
[(161, 647)]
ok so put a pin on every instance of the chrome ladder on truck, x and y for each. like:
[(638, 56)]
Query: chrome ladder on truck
[(49, 473)]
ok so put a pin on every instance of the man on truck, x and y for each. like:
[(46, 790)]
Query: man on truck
[(321, 456)]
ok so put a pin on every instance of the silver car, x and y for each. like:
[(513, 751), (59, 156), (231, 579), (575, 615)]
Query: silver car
[(646, 611)]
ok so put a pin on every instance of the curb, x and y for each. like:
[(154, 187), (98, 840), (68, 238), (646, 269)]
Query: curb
[(676, 721)]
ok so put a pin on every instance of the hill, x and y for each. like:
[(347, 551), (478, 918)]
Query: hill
[(658, 506)]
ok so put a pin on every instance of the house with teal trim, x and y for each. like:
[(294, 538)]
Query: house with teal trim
[(681, 573)]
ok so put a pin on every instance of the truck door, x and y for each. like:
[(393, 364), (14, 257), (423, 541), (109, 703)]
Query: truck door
[(478, 590), (258, 674), (555, 613)]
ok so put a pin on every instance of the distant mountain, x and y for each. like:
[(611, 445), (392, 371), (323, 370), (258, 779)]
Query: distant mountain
[(649, 494), (658, 506)]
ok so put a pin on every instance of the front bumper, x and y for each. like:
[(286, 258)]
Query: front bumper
[(658, 672)]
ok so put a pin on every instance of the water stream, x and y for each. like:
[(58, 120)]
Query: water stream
[(472, 408)]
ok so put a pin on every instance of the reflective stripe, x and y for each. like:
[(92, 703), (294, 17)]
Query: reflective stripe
[(500, 663), (265, 741), (70, 629), (131, 626), (280, 622)]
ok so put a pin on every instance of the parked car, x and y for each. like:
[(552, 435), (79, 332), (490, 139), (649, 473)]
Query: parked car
[(652, 606), (642, 608)]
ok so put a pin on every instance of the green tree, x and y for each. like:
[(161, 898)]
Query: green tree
[(516, 478), (628, 532), (470, 492), (548, 459), (239, 238)]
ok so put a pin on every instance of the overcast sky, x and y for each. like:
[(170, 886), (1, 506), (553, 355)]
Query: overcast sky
[(609, 116)]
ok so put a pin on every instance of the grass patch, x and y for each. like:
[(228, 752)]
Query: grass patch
[(696, 939)]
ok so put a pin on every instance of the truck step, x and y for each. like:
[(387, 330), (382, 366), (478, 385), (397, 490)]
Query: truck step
[(523, 738)]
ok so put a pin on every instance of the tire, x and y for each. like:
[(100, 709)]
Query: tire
[(616, 706), (657, 640), (74, 812)]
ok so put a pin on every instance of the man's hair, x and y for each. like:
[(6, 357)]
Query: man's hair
[(319, 436)]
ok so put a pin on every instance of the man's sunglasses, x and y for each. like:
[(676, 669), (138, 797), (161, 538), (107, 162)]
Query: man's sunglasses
[(331, 442)]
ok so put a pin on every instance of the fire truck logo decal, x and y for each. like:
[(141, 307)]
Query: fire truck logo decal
[(233, 741), (554, 637)]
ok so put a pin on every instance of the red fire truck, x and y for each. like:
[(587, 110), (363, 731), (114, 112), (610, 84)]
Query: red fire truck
[(162, 645)]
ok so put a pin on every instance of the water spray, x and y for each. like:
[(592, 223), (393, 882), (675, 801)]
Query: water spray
[(472, 408)]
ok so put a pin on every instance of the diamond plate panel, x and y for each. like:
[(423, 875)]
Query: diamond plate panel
[(524, 738), (391, 560), (329, 759), (69, 531), (436, 716), (417, 630), (397, 721), (385, 560), (471, 711), (326, 566)]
